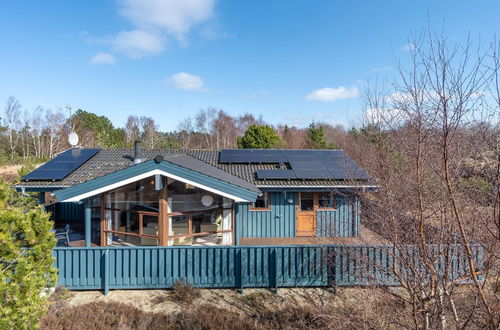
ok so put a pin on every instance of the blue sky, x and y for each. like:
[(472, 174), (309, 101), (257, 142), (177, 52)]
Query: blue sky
[(290, 61)]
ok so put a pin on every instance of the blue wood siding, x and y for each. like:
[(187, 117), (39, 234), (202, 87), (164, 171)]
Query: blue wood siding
[(66, 211), (343, 222), (278, 222), (236, 266)]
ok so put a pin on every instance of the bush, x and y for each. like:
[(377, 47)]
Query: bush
[(184, 292), (11, 198), (26, 268), (113, 315)]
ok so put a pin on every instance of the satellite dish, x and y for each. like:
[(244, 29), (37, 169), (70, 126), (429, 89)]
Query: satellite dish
[(73, 139), (207, 200)]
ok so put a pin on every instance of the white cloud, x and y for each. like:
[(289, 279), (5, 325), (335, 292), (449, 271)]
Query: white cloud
[(328, 94), (155, 22), (138, 43), (385, 116), (186, 81), (173, 17), (103, 58)]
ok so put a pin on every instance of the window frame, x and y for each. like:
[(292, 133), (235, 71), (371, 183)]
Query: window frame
[(334, 208), (314, 200), (251, 206)]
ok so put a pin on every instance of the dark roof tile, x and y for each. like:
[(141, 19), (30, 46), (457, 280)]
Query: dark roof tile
[(109, 161)]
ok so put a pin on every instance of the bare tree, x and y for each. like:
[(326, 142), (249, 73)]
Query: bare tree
[(186, 129), (132, 129), (422, 140), (25, 134), (12, 122), (36, 131), (149, 131), (55, 123), (225, 131)]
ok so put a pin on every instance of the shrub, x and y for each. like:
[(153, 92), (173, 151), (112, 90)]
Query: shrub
[(26, 266), (184, 292)]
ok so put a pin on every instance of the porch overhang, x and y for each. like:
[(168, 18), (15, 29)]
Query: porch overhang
[(230, 188)]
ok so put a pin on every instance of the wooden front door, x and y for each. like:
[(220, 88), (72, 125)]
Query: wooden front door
[(305, 214)]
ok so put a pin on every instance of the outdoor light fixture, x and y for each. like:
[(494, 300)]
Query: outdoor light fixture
[(289, 200)]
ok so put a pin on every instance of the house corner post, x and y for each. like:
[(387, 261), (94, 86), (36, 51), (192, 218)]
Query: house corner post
[(41, 198), (88, 224), (163, 218)]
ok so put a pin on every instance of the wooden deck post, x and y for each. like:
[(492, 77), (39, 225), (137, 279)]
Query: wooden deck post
[(88, 224), (163, 217), (103, 220)]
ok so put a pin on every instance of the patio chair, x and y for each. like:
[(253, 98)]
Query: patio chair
[(63, 235)]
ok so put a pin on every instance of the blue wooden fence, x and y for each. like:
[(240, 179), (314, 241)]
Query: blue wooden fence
[(233, 266)]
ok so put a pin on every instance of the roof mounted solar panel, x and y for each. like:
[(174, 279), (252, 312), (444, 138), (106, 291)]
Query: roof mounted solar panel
[(62, 165), (266, 156), (235, 156), (341, 166), (275, 174), (299, 155), (307, 165), (312, 174)]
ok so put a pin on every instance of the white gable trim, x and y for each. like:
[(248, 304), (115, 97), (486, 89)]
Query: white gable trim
[(145, 175)]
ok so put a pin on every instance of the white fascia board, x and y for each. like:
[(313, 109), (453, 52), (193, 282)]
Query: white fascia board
[(312, 187), (145, 175)]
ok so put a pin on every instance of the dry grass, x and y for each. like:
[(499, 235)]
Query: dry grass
[(9, 172), (226, 309)]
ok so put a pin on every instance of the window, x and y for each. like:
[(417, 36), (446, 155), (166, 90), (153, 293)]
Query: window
[(131, 214), (326, 200), (261, 204), (306, 201)]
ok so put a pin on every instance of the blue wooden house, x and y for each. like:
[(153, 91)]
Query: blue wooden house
[(201, 197), (216, 218)]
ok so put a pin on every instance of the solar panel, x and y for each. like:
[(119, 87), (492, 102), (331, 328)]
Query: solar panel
[(341, 166), (305, 164), (268, 156), (299, 155), (275, 174), (312, 174), (236, 156), (61, 166)]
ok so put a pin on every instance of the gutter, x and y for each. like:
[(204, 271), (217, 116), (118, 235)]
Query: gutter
[(312, 187), (38, 188)]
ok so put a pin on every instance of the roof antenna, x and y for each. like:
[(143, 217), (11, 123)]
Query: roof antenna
[(72, 136)]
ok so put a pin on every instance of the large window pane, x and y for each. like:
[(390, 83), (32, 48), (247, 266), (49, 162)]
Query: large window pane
[(326, 200), (124, 209), (184, 197), (306, 201)]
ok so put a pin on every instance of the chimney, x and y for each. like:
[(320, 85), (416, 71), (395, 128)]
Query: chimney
[(137, 152)]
